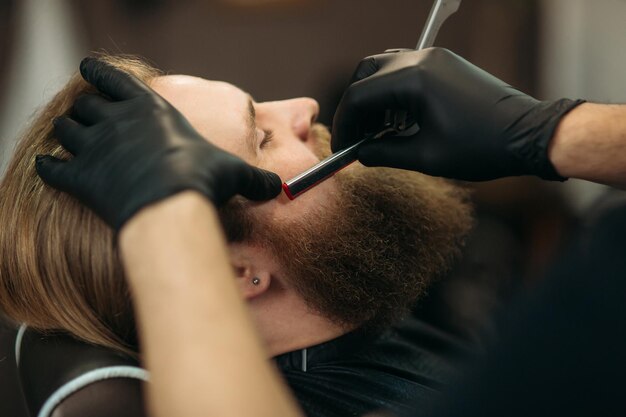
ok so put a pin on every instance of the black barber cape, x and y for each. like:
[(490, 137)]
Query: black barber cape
[(362, 372), (561, 348)]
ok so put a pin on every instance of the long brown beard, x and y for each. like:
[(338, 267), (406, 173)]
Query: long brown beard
[(365, 260)]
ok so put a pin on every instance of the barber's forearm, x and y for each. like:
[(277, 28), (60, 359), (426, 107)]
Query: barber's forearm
[(197, 338), (590, 144)]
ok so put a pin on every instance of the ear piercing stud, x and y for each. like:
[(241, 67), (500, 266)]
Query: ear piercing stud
[(256, 281)]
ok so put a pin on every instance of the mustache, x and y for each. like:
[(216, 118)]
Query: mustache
[(320, 134)]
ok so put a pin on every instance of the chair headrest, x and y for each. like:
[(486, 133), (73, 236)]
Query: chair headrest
[(11, 399), (54, 366)]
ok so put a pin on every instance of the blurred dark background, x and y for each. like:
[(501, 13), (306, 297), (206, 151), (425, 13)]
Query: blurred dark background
[(279, 49), (286, 49)]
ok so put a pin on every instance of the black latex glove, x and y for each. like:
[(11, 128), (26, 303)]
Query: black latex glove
[(135, 149), (472, 125)]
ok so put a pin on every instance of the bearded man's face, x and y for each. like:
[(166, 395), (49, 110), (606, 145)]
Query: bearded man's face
[(359, 248)]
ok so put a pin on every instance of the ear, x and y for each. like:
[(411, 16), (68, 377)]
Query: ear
[(253, 270)]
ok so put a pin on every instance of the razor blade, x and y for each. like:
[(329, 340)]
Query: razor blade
[(321, 171), (397, 123), (331, 165)]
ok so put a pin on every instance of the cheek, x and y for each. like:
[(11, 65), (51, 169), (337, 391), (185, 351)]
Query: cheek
[(308, 206), (288, 161)]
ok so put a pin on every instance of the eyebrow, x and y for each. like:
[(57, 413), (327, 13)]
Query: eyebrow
[(251, 134)]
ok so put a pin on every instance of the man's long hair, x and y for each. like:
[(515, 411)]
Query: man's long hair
[(59, 266)]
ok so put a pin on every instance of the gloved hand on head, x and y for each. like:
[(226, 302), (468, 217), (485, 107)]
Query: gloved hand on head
[(473, 126), (134, 148)]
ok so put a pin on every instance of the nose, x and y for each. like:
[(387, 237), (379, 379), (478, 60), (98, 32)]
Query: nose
[(304, 113)]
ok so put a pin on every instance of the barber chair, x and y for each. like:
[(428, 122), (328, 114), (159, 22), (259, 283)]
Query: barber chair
[(54, 375), (12, 402)]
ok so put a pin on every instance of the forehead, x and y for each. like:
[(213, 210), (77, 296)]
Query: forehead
[(217, 110)]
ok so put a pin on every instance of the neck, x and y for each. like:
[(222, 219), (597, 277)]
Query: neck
[(286, 323)]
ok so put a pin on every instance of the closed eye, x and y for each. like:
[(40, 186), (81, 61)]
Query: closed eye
[(268, 136)]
